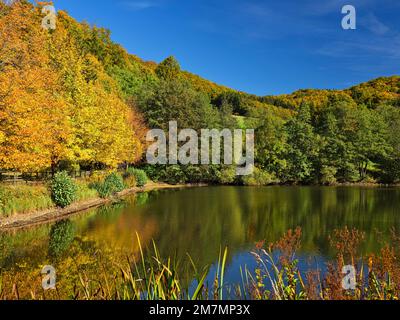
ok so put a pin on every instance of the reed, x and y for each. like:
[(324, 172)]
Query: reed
[(148, 276)]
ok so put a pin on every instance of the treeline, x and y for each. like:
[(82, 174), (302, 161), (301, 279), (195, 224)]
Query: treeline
[(71, 98), (58, 106)]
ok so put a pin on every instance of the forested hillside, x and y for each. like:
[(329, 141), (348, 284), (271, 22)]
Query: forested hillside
[(72, 98)]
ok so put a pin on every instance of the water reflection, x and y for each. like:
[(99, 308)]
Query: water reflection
[(199, 221)]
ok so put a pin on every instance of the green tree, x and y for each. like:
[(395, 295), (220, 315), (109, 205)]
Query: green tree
[(271, 145), (169, 69), (176, 100), (303, 147)]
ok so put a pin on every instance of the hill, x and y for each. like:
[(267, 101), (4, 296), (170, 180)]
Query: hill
[(72, 98)]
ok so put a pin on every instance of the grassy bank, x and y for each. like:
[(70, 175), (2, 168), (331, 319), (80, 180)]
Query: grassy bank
[(27, 198)]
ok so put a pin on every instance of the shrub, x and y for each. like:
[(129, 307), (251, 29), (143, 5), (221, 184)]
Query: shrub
[(328, 175), (194, 174), (63, 189), (227, 175), (259, 178), (112, 184), (138, 175), (155, 172), (175, 175)]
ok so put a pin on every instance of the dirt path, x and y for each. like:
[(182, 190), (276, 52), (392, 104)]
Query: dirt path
[(22, 221)]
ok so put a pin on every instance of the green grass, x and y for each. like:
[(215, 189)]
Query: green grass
[(23, 199), (84, 192)]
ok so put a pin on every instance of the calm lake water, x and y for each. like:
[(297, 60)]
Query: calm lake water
[(200, 221)]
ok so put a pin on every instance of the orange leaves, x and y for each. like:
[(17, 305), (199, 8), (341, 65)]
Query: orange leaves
[(31, 116), (57, 103)]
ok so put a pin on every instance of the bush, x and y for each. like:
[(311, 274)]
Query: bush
[(194, 174), (63, 189), (155, 172), (259, 178), (175, 175), (138, 175), (328, 175), (227, 175), (112, 184)]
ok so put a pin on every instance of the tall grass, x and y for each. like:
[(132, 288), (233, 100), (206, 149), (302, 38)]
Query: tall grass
[(148, 276), (84, 192), (23, 198)]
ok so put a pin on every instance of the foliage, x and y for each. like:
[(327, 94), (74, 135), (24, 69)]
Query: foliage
[(175, 175), (54, 85), (176, 100), (169, 69), (138, 175), (111, 185), (63, 189), (61, 236), (23, 199), (56, 90), (227, 175), (259, 178)]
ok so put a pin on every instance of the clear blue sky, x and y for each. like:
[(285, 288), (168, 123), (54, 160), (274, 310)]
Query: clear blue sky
[(261, 47)]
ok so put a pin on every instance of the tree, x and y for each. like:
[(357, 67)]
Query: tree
[(303, 147), (34, 128), (176, 100), (233, 99), (271, 145), (169, 69)]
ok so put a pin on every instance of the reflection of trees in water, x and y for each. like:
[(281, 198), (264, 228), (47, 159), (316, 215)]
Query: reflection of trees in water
[(199, 221), (62, 235), (115, 226), (141, 198), (27, 244)]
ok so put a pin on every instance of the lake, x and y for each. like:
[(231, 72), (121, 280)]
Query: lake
[(201, 221)]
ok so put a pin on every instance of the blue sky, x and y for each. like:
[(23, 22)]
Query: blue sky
[(261, 47)]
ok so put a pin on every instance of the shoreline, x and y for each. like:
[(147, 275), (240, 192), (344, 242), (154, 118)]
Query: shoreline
[(32, 219), (27, 220)]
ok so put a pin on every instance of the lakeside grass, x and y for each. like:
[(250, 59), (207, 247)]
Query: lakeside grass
[(20, 199), (28, 198)]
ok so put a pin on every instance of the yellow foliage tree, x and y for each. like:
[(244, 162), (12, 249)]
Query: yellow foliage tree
[(34, 127)]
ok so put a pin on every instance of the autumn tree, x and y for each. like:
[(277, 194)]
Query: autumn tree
[(34, 130)]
